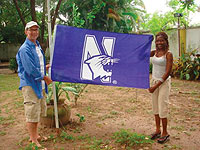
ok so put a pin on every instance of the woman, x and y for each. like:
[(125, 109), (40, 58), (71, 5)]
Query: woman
[(162, 61)]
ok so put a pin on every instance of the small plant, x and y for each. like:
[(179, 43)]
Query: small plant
[(31, 146), (129, 139), (63, 109), (81, 117), (79, 90), (114, 113), (13, 65), (60, 88), (2, 133), (192, 129), (83, 137), (66, 136), (75, 88), (187, 66), (95, 144), (178, 128)]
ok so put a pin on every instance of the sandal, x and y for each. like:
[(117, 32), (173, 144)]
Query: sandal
[(163, 139), (155, 136)]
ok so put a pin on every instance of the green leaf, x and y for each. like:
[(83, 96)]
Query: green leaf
[(135, 17), (49, 96), (181, 76), (195, 72), (187, 76), (67, 95), (71, 89), (76, 93), (197, 75)]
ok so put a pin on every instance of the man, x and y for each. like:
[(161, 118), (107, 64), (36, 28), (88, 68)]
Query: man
[(31, 70)]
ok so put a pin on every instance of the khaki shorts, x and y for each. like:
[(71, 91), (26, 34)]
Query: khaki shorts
[(34, 107), (160, 98)]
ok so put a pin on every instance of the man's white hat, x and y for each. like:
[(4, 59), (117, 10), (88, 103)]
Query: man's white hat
[(30, 24)]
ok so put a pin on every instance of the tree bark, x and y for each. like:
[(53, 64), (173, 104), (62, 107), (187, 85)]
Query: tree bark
[(43, 41), (33, 13), (19, 12), (43, 22), (55, 15)]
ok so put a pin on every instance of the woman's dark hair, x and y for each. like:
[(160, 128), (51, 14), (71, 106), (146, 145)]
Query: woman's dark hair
[(165, 36)]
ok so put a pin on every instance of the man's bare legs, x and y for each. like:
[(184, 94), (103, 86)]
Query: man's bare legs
[(33, 132)]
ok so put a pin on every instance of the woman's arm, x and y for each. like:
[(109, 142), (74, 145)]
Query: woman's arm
[(169, 65), (152, 53)]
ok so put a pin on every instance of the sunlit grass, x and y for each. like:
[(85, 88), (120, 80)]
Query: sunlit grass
[(9, 82)]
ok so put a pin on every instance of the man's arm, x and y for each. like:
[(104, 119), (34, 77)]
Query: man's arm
[(47, 80)]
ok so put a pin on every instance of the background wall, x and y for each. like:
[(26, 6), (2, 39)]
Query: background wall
[(192, 40), (8, 51)]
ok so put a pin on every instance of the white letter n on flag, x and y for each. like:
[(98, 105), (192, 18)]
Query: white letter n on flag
[(93, 61)]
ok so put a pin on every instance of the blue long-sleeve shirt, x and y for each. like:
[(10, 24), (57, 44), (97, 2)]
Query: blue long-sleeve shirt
[(29, 67)]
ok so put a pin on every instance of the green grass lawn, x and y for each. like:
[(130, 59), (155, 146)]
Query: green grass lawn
[(9, 82)]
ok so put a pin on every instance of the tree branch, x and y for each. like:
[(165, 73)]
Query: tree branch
[(19, 12)]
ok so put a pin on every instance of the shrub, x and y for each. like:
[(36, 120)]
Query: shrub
[(13, 64), (187, 66)]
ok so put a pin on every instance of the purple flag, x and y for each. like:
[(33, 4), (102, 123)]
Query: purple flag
[(104, 58)]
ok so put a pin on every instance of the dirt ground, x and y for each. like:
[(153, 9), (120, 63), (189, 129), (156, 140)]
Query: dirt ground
[(106, 110)]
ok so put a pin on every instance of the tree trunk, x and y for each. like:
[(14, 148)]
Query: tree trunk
[(55, 15), (33, 13), (19, 12), (42, 40)]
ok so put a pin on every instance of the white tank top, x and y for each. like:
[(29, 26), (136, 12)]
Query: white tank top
[(159, 67)]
